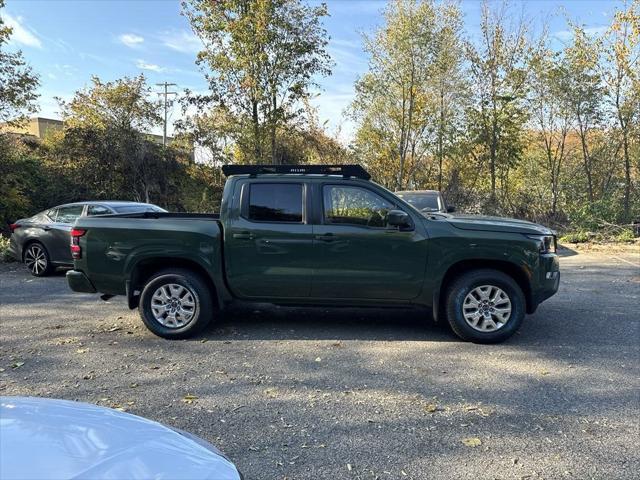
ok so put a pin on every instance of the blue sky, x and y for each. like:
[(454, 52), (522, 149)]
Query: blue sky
[(67, 41)]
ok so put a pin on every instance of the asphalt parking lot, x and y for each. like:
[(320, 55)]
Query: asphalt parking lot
[(363, 394)]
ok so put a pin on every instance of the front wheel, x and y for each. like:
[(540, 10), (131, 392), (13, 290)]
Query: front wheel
[(36, 258), (485, 306), (176, 304)]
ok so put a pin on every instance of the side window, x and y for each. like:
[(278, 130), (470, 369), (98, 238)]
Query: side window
[(275, 202), (69, 214), (93, 210), (52, 214), (354, 206)]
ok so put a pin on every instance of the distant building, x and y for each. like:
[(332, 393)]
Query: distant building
[(39, 127), (35, 127)]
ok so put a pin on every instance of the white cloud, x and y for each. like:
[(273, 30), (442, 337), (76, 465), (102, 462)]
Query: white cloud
[(141, 64), (182, 41), (21, 34), (131, 40), (566, 35)]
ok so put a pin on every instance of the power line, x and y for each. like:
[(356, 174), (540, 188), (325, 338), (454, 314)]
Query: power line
[(166, 94)]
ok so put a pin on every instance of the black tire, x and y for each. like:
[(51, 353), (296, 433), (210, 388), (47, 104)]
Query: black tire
[(467, 282), (203, 310), (33, 257)]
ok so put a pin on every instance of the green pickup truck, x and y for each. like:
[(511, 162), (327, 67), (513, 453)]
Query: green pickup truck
[(316, 235)]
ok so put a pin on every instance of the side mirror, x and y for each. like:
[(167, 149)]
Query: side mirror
[(451, 209), (398, 218)]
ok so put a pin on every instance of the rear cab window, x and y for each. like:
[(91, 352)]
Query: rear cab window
[(275, 203)]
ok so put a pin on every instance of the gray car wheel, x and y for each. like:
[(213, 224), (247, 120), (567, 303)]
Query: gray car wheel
[(36, 258)]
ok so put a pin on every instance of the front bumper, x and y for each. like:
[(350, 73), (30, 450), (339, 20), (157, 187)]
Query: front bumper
[(549, 280), (14, 249), (78, 282)]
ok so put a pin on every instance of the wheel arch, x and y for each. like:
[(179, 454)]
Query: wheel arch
[(146, 268), (521, 276), (30, 241)]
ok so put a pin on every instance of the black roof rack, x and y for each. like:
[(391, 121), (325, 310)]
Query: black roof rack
[(347, 171)]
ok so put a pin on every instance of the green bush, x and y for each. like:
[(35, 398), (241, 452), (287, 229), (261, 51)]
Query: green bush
[(5, 256), (576, 237), (625, 236)]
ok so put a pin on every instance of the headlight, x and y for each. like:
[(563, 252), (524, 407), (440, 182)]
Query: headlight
[(546, 243)]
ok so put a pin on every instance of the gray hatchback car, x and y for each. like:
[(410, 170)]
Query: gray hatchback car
[(42, 241)]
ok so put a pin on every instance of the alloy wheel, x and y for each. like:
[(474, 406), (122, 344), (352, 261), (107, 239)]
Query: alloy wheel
[(36, 259), (486, 308), (173, 305)]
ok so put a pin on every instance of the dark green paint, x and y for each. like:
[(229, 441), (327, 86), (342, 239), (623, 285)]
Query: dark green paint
[(291, 263)]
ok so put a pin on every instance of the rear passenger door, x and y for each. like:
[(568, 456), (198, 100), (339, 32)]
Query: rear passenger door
[(268, 241)]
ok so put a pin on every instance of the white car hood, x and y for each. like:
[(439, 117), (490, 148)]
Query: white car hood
[(56, 439)]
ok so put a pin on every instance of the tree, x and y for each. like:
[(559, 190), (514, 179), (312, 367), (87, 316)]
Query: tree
[(106, 122), (18, 82), (585, 94), (623, 81), (499, 73), (551, 118), (122, 105), (450, 83), (263, 57), (407, 102)]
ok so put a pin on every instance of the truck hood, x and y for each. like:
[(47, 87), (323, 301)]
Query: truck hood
[(497, 224)]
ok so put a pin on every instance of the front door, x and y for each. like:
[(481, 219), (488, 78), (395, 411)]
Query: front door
[(269, 244), (361, 257)]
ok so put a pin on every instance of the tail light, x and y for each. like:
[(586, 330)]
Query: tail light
[(13, 226), (76, 250)]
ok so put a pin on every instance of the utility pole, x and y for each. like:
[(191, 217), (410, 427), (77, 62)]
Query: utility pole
[(166, 94)]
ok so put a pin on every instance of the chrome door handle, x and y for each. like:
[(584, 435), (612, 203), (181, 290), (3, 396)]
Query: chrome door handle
[(327, 237), (244, 236)]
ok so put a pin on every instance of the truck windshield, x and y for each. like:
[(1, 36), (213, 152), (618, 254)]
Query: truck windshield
[(422, 201)]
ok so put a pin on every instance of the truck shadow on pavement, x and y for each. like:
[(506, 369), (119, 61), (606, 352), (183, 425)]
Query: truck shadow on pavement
[(270, 322)]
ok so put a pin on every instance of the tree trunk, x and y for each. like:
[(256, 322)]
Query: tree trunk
[(440, 141), (274, 158), (256, 131), (627, 175), (586, 160)]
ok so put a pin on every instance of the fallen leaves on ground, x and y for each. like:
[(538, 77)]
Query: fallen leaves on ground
[(472, 441), (431, 408), (271, 392), (481, 410), (189, 399)]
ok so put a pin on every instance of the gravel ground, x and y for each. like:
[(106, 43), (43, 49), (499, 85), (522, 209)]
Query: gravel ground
[(357, 394)]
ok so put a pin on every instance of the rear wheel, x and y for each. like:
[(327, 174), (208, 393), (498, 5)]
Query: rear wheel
[(36, 258), (176, 303), (485, 306)]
